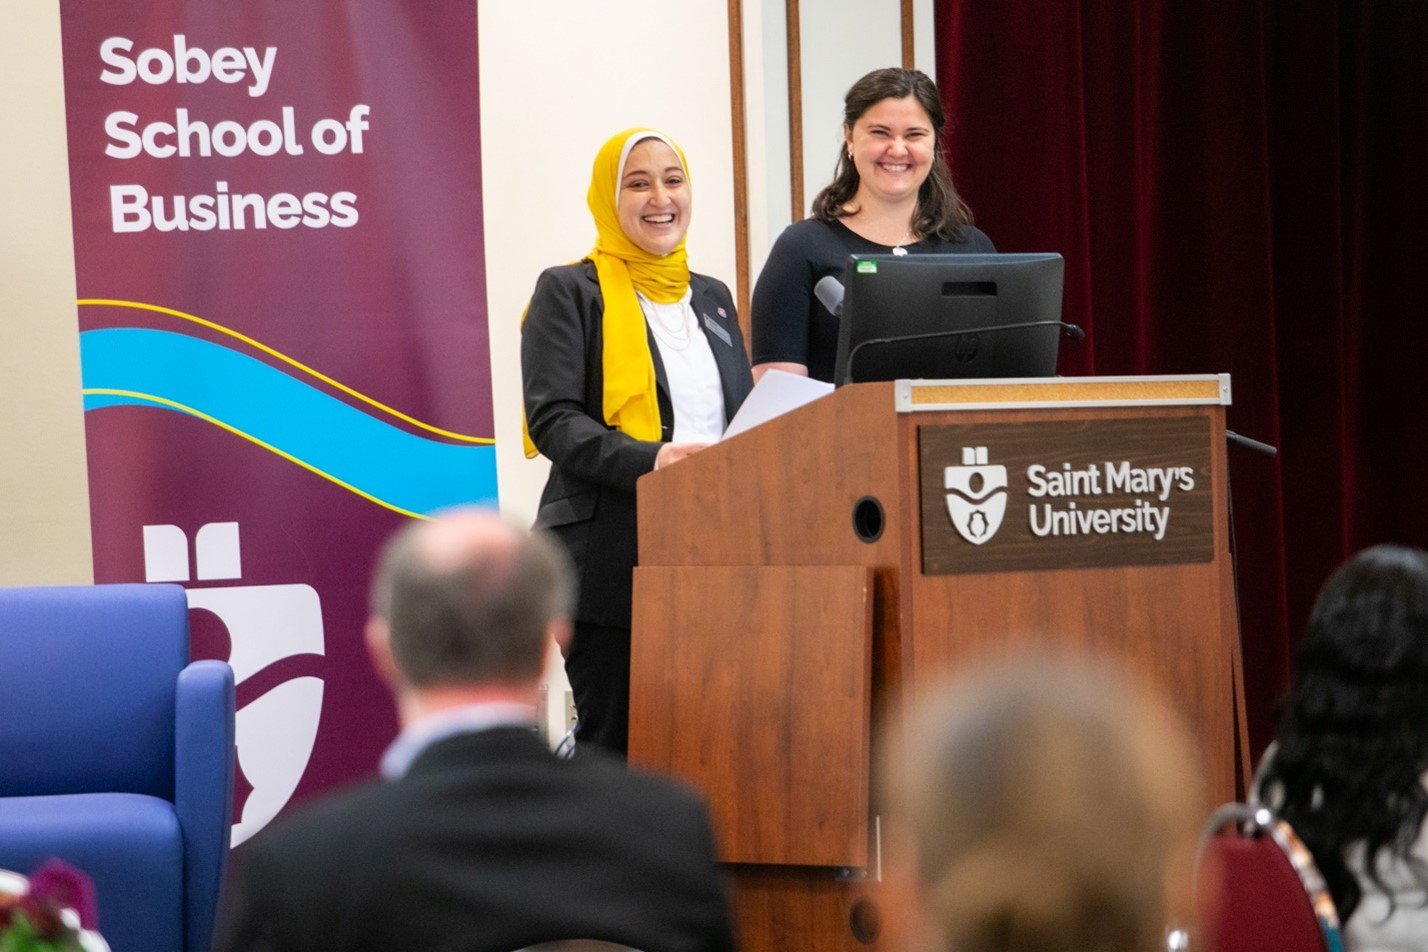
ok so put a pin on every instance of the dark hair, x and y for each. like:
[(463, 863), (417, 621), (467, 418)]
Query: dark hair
[(1353, 736), (940, 210), (477, 619)]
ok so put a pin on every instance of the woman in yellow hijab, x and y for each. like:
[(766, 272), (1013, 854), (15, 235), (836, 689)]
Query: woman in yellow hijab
[(630, 362)]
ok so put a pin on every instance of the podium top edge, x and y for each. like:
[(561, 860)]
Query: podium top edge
[(917, 396)]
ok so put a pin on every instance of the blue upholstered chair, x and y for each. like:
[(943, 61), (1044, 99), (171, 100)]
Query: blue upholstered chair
[(116, 755)]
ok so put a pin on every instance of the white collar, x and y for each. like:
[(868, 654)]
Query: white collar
[(467, 719)]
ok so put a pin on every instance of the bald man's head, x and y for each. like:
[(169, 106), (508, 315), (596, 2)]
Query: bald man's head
[(468, 599)]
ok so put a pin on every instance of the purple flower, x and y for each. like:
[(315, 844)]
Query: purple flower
[(58, 885)]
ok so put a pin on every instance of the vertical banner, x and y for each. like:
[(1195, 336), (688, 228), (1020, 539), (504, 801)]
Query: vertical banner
[(277, 215)]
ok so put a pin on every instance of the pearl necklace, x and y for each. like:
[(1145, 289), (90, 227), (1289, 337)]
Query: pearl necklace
[(678, 336)]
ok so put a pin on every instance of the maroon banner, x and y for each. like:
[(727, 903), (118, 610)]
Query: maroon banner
[(278, 245)]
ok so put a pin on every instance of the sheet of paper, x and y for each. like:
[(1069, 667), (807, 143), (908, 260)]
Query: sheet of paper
[(775, 394)]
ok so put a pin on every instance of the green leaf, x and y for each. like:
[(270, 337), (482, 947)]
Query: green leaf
[(22, 937)]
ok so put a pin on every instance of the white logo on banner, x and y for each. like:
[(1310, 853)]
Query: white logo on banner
[(977, 495), (266, 623)]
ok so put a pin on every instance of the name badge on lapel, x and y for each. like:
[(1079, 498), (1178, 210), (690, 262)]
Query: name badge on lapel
[(718, 331)]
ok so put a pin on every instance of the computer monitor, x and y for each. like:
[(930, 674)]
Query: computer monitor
[(945, 317)]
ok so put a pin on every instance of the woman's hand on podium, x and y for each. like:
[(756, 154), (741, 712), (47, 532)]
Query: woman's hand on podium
[(674, 452)]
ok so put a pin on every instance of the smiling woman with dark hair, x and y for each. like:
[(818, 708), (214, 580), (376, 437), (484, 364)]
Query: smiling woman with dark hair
[(891, 193), (1348, 773)]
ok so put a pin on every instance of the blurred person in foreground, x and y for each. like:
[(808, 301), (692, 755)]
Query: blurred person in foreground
[(478, 838), (1348, 770), (1048, 807)]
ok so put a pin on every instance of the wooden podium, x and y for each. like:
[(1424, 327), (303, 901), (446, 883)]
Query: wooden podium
[(798, 581)]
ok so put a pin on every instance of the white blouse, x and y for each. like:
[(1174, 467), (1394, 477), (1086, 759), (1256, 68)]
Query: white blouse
[(1372, 928), (695, 388)]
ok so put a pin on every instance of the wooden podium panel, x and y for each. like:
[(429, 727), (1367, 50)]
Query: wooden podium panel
[(800, 909), (761, 702), (1084, 517), (1171, 623), (782, 493), (969, 619)]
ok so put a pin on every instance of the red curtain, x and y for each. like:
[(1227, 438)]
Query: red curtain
[(1237, 187)]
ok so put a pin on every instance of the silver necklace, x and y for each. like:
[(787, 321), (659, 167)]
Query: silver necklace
[(897, 248)]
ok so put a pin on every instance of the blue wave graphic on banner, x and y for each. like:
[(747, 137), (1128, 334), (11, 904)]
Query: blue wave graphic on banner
[(410, 474)]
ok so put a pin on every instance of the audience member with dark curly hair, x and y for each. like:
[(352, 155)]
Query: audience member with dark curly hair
[(1050, 807), (1352, 754)]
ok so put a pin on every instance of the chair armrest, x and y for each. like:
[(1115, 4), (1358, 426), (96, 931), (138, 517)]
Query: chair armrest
[(203, 789)]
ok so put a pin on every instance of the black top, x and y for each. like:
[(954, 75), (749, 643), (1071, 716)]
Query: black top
[(787, 322), (489, 843)]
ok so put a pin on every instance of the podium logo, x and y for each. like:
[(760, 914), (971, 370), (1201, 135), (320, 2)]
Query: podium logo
[(276, 647), (976, 495)]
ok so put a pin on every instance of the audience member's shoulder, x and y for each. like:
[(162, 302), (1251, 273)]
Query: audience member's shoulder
[(332, 817), (622, 780)]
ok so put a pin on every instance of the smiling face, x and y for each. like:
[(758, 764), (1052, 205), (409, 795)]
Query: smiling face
[(892, 145), (654, 197)]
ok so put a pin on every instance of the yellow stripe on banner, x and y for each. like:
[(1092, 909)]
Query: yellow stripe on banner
[(238, 335), (174, 404)]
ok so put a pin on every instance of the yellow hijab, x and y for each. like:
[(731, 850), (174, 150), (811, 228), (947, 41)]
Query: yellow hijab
[(623, 267)]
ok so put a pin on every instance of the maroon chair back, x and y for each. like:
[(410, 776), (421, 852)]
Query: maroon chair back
[(1252, 894)]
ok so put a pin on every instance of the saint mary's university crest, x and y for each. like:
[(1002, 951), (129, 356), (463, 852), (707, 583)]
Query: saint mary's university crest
[(976, 495), (275, 644)]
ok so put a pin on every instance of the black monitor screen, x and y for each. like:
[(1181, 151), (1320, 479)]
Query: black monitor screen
[(947, 317)]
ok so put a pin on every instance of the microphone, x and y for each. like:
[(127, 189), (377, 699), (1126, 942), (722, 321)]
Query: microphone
[(1251, 444), (829, 291)]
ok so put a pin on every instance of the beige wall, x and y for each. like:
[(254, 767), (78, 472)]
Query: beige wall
[(44, 496), (840, 40)]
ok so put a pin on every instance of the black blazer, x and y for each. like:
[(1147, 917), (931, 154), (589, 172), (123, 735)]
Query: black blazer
[(488, 844), (589, 500)]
